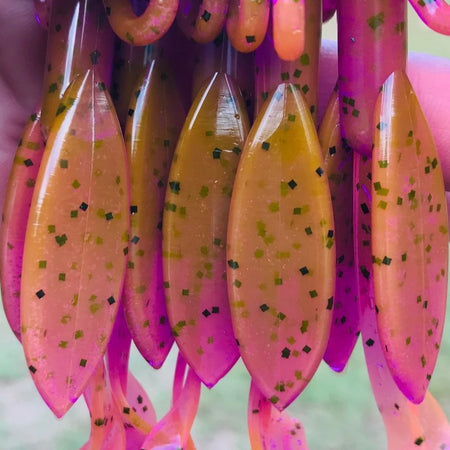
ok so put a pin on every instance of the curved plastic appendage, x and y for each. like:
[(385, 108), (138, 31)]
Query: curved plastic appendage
[(145, 29), (107, 430), (302, 73), (195, 228), (338, 166), (138, 422), (410, 237), (435, 14), (371, 45), (155, 119), (328, 9), (19, 194), (172, 432), (42, 12), (270, 428), (288, 22), (202, 20), (79, 39), (408, 426), (281, 255), (75, 245), (247, 23)]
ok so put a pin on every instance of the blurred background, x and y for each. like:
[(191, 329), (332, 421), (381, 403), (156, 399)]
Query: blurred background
[(337, 410)]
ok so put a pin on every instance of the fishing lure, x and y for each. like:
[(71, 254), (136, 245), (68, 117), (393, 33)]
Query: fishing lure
[(195, 228), (409, 238), (75, 245), (435, 14), (19, 194), (281, 251), (155, 118)]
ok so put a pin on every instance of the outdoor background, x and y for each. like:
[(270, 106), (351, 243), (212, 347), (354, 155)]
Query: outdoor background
[(337, 411)]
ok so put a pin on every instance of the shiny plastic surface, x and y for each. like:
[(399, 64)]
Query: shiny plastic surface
[(338, 166), (195, 228), (75, 246), (371, 45), (281, 252), (19, 194), (409, 238), (435, 14), (155, 119)]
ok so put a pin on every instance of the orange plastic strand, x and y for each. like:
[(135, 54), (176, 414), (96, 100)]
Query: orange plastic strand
[(410, 238), (145, 29), (302, 73), (202, 20), (155, 119), (338, 166), (173, 430), (247, 23), (75, 246), (107, 429), (281, 255), (270, 428), (79, 38), (117, 362), (289, 20), (19, 193), (195, 228), (435, 14)]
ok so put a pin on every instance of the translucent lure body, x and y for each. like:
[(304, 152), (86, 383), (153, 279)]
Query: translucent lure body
[(409, 239), (155, 118), (195, 228), (281, 256), (76, 244), (338, 166), (19, 194)]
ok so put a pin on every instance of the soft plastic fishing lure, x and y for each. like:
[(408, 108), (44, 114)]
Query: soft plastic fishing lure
[(19, 194), (76, 244), (195, 228), (281, 251), (436, 14), (409, 238), (155, 118)]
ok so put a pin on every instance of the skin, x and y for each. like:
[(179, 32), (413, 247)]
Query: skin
[(22, 46)]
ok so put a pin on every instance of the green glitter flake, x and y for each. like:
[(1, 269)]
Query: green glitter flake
[(174, 186), (304, 59), (274, 207), (375, 21), (76, 184), (233, 264), (216, 153), (204, 191), (304, 326)]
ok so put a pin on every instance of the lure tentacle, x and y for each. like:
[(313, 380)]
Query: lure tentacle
[(435, 14), (145, 29)]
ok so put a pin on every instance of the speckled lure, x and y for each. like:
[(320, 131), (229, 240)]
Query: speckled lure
[(195, 228), (409, 237), (19, 194), (155, 118), (281, 252), (338, 166), (436, 14), (76, 244)]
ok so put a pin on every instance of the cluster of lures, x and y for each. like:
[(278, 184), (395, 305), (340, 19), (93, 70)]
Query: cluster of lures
[(237, 230)]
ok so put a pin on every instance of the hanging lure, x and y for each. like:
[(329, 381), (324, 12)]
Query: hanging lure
[(371, 45), (281, 251), (435, 14), (155, 118), (270, 428), (302, 72), (19, 194), (328, 9), (410, 238), (202, 20), (78, 38), (195, 228), (145, 29), (75, 245), (247, 23), (338, 166)]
